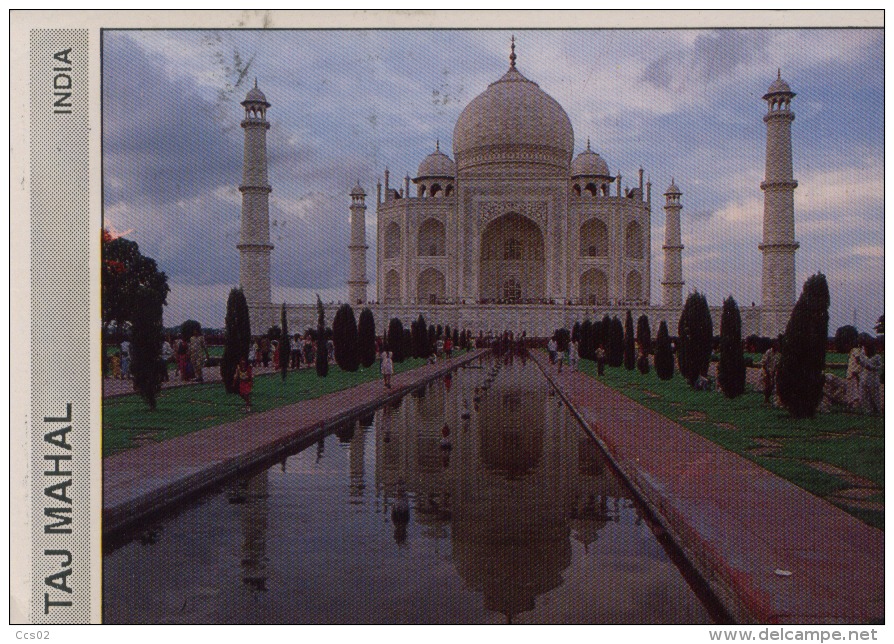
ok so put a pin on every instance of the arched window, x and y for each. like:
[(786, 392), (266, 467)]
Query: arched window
[(593, 286), (576, 190), (392, 240), (511, 290), (449, 190), (512, 249), (430, 286), (435, 189), (594, 238), (432, 239), (392, 287), (422, 191), (633, 241), (634, 286)]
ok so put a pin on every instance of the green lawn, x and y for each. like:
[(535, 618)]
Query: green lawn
[(852, 442), (182, 410)]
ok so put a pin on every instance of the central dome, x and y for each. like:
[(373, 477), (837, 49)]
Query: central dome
[(513, 121)]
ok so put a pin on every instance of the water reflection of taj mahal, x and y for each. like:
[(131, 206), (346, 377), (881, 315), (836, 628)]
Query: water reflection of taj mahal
[(517, 233)]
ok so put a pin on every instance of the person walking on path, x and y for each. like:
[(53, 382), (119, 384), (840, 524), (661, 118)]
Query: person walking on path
[(770, 365), (854, 373), (124, 352), (387, 367), (243, 381), (572, 356), (182, 358), (600, 360), (448, 348), (551, 347), (870, 385), (198, 353)]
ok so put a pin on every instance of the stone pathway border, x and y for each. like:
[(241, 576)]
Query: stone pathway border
[(743, 528), (145, 479)]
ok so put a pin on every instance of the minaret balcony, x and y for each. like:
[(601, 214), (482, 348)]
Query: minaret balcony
[(778, 185)]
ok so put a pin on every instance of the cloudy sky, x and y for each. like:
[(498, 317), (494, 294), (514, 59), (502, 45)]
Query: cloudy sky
[(345, 104)]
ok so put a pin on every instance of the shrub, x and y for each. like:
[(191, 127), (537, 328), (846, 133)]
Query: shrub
[(407, 343), (575, 332), (344, 337), (664, 356), (274, 332), (696, 334), (846, 338), (366, 338), (629, 344), (237, 337), (597, 338), (800, 379), (396, 339), (189, 328), (731, 369), (322, 359)]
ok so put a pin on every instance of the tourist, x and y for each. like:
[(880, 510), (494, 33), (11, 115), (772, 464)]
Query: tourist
[(854, 372), (387, 367), (600, 360), (870, 385), (439, 347), (198, 353), (265, 351), (243, 381), (769, 367), (308, 350), (330, 349), (448, 347), (166, 354), (183, 359), (115, 366), (296, 352), (274, 350), (573, 356), (252, 353), (551, 347), (124, 352)]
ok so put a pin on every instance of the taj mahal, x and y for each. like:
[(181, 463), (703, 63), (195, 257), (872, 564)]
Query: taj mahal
[(516, 232)]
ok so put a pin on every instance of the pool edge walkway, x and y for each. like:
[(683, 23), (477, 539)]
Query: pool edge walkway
[(145, 479), (770, 551)]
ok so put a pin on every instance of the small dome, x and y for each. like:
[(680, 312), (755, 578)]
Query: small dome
[(436, 164), (589, 164), (672, 189), (255, 96), (779, 86), (358, 190)]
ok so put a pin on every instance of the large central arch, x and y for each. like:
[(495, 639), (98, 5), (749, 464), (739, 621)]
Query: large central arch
[(512, 266)]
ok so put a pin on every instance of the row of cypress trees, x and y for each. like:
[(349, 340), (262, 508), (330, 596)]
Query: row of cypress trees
[(800, 378)]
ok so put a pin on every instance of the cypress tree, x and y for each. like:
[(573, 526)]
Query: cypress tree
[(846, 338), (145, 349), (432, 337), (285, 344), (596, 338), (447, 332), (731, 369), (696, 333), (237, 337), (366, 338), (322, 361), (344, 337), (629, 343), (189, 328), (644, 334), (456, 339), (802, 360), (575, 332), (664, 357), (396, 339), (604, 337), (616, 343), (419, 331), (408, 343), (585, 337), (438, 331)]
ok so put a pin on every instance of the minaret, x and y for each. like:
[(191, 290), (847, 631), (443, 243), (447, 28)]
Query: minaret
[(779, 245), (254, 238), (357, 281), (673, 249)]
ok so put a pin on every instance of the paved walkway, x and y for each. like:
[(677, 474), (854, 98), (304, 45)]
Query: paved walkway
[(144, 479), (772, 552)]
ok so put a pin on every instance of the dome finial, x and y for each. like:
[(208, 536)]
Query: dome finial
[(512, 55), (437, 145), (256, 82), (588, 145), (779, 73)]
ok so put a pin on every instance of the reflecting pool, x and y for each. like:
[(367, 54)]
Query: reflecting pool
[(477, 498)]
